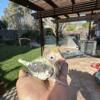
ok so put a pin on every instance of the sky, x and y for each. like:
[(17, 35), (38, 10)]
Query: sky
[(3, 5)]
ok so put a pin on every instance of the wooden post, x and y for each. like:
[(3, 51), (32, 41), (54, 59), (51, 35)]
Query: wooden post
[(89, 32), (57, 32), (41, 35)]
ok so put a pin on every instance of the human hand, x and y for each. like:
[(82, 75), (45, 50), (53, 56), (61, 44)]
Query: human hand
[(31, 88)]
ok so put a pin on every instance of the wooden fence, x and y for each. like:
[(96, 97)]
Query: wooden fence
[(8, 34)]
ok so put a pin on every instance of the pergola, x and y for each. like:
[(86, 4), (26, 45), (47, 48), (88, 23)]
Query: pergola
[(62, 11)]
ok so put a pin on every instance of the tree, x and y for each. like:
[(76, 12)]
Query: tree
[(3, 24), (71, 27), (11, 16), (19, 17), (52, 25), (85, 25)]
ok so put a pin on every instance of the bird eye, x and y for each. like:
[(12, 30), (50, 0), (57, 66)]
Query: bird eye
[(51, 57)]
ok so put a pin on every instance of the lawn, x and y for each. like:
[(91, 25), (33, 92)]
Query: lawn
[(9, 66)]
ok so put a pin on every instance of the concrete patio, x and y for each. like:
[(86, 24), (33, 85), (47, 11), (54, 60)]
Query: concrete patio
[(80, 79)]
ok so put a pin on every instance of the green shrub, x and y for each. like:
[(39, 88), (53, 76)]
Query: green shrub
[(48, 31), (33, 35), (98, 40), (10, 42), (25, 42)]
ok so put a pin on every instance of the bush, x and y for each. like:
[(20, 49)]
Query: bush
[(48, 31), (10, 42), (1, 41), (25, 42), (33, 35), (98, 41)]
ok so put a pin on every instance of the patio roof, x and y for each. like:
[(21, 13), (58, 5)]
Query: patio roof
[(56, 8), (87, 17)]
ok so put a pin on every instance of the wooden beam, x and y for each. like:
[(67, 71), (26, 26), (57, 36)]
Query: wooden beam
[(88, 17), (89, 32), (82, 7), (88, 37), (41, 35), (28, 4), (73, 1), (51, 3), (57, 32), (66, 16), (78, 14)]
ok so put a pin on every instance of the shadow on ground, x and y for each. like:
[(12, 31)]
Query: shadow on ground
[(5, 83), (7, 52), (83, 86)]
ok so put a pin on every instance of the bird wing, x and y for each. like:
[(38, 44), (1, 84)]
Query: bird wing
[(39, 68)]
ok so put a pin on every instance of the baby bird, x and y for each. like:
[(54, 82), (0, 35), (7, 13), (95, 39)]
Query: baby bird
[(47, 66)]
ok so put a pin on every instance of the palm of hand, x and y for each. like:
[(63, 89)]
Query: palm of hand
[(31, 88)]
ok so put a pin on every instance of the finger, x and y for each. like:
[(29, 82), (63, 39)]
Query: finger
[(22, 73), (64, 68)]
